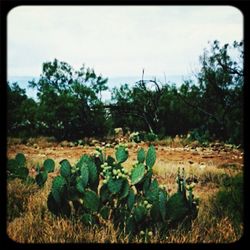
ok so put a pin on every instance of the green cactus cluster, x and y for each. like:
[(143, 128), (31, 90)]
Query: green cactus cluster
[(98, 187), (42, 172), (16, 168)]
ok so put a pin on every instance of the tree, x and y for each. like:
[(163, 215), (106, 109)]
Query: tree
[(140, 105), (221, 83), (68, 105), (21, 112)]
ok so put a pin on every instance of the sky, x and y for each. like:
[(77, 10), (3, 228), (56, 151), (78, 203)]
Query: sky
[(117, 40)]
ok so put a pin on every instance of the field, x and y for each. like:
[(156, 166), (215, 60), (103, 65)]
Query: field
[(29, 220)]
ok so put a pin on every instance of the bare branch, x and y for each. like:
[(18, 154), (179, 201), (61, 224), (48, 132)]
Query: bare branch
[(229, 69)]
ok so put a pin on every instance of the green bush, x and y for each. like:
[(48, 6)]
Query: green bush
[(151, 137), (201, 135)]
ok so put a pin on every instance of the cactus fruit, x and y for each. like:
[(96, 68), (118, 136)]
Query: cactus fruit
[(150, 233)]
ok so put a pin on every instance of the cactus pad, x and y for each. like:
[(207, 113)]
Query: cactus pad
[(177, 207), (121, 154), (58, 187), (21, 160), (22, 172), (12, 165), (104, 212), (140, 213), (115, 186), (93, 175), (65, 169), (137, 173), (141, 155), (85, 173), (131, 199), (151, 157), (49, 165), (162, 204), (91, 200), (88, 219), (41, 178), (124, 189)]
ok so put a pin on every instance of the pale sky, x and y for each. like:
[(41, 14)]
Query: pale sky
[(117, 40)]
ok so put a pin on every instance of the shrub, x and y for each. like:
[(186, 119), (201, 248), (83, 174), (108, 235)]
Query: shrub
[(151, 137)]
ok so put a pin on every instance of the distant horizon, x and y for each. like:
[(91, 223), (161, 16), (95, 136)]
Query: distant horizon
[(114, 81)]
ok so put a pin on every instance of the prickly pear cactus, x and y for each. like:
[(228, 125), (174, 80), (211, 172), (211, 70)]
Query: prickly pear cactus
[(99, 186), (41, 178), (140, 213), (137, 173), (91, 200), (114, 185), (58, 188), (121, 154), (21, 160), (65, 169), (16, 168), (49, 165), (151, 157), (177, 207), (141, 156)]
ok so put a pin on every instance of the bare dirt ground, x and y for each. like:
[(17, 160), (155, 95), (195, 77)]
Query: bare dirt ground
[(220, 157), (207, 164)]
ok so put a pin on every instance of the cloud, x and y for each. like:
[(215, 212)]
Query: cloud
[(117, 40)]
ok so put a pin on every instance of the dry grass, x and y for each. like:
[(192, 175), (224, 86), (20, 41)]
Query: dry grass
[(37, 225), (29, 220)]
